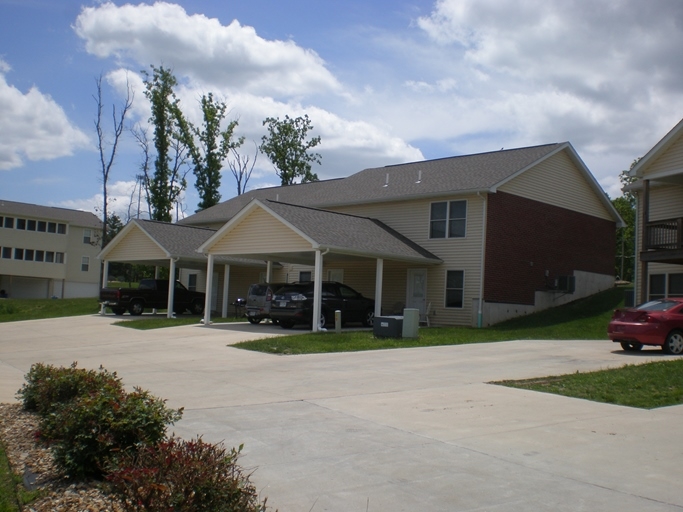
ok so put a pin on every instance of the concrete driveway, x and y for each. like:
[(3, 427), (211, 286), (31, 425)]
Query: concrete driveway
[(393, 430)]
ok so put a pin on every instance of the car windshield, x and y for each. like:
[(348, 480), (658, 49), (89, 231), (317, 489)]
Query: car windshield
[(657, 305)]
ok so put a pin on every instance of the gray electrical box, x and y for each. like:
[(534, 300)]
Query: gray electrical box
[(411, 322), (388, 326)]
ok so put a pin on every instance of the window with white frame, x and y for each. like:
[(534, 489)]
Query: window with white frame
[(455, 288), (304, 277), (448, 219), (665, 285), (87, 236), (59, 257), (85, 263), (192, 282)]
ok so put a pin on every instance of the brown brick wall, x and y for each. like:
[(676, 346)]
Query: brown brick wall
[(524, 238)]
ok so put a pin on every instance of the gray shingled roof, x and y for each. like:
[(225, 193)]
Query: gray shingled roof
[(34, 211), (182, 241), (459, 174), (350, 233)]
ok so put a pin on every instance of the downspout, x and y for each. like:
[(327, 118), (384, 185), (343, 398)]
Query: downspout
[(480, 313), (636, 241)]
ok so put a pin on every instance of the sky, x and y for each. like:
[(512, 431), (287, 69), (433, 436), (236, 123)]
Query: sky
[(382, 81)]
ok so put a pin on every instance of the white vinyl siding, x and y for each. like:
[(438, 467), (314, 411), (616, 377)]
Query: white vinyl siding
[(671, 160), (260, 232), (136, 245), (411, 219), (666, 202), (559, 182)]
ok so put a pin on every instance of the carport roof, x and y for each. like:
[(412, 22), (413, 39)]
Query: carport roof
[(176, 241), (340, 233)]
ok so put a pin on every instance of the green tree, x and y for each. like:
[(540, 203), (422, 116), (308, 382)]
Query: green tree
[(168, 182), (287, 148), (208, 148), (626, 249)]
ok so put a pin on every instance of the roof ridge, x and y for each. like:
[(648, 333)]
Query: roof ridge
[(320, 209), (152, 221), (470, 155)]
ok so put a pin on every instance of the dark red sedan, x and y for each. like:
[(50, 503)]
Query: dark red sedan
[(658, 322)]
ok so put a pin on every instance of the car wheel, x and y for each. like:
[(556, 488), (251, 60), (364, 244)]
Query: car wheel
[(253, 320), (323, 320), (674, 343), (197, 307), (118, 311), (369, 318), (136, 308), (286, 324), (630, 346)]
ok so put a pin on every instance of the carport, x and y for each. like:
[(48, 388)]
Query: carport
[(171, 246), (279, 232)]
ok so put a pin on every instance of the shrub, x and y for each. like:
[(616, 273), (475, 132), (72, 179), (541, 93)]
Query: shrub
[(87, 431), (183, 476), (48, 386)]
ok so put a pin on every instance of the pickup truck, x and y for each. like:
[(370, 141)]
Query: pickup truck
[(150, 294)]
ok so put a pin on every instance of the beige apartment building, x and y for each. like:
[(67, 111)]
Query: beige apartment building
[(48, 252)]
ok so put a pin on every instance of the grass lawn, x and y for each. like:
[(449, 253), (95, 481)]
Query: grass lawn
[(12, 310), (8, 489), (646, 386), (584, 319)]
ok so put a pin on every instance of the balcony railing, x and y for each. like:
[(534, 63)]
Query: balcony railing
[(664, 234)]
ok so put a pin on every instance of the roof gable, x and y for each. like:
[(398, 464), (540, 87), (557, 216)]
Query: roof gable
[(665, 159), (307, 229)]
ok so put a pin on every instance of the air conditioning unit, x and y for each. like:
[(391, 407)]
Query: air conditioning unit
[(566, 284)]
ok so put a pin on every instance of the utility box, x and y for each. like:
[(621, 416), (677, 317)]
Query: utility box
[(388, 326), (411, 322)]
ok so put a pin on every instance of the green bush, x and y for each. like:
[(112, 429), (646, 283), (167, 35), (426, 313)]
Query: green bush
[(86, 432), (183, 476), (48, 386)]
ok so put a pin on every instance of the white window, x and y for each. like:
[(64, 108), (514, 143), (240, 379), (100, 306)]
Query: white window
[(59, 257), (304, 277), (85, 263), (455, 288), (87, 235), (192, 282), (448, 219), (665, 285)]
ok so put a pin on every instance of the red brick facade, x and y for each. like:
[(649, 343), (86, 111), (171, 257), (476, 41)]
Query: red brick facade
[(526, 238)]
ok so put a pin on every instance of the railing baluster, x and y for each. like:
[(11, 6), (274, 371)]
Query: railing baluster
[(665, 234)]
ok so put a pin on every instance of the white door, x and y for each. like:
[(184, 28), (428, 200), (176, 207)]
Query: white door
[(416, 295)]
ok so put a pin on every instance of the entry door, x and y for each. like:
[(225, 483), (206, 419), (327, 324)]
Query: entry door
[(416, 296)]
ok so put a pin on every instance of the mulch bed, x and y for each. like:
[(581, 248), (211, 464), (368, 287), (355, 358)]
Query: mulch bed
[(34, 462)]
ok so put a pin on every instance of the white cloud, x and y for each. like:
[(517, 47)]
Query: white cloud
[(233, 56), (33, 126)]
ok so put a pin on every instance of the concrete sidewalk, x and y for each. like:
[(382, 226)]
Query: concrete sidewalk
[(392, 430)]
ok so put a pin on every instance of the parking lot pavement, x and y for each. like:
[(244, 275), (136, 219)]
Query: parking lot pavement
[(408, 429)]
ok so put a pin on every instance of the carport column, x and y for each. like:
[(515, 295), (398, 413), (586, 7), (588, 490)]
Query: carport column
[(105, 273), (171, 289), (269, 271), (379, 275), (226, 284), (317, 290), (207, 299)]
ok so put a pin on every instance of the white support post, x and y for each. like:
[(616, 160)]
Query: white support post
[(226, 285), (209, 284), (105, 273), (171, 290), (269, 271), (317, 290), (379, 278)]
